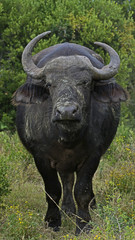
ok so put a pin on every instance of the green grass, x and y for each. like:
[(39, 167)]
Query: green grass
[(22, 199)]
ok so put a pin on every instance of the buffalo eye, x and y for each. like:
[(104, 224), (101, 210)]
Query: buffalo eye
[(85, 82), (48, 85)]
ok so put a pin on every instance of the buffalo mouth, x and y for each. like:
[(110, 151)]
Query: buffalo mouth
[(67, 123), (67, 126), (69, 132)]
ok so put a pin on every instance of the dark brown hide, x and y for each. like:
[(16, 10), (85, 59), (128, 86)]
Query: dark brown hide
[(67, 116)]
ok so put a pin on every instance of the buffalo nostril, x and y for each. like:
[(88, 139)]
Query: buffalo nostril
[(75, 109), (58, 111), (67, 112)]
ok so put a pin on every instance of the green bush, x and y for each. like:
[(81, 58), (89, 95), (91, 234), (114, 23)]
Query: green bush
[(122, 178), (4, 182), (4, 168), (11, 159), (22, 223), (77, 21), (118, 224), (122, 147)]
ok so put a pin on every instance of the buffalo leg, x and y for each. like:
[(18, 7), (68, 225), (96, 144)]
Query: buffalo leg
[(68, 204), (84, 194), (53, 191)]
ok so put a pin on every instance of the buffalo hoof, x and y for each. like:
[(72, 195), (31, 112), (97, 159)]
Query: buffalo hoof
[(55, 225), (85, 229), (93, 203), (53, 221)]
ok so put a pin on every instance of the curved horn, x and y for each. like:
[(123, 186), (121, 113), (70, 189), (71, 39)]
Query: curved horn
[(28, 65), (109, 70)]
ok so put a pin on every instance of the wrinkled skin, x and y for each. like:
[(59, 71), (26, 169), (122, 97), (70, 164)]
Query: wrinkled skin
[(67, 128)]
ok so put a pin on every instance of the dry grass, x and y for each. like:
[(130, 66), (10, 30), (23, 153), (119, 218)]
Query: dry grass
[(23, 209)]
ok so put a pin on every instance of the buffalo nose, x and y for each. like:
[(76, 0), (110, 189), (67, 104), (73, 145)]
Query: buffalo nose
[(67, 112)]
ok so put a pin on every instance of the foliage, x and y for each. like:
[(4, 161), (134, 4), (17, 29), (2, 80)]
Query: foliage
[(9, 158), (117, 224), (4, 172), (4, 183), (127, 5), (22, 224), (22, 210), (77, 21)]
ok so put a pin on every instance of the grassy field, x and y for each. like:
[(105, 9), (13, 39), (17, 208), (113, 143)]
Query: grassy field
[(22, 198)]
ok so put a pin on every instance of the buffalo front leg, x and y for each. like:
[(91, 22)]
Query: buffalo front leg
[(84, 195), (68, 204), (53, 193)]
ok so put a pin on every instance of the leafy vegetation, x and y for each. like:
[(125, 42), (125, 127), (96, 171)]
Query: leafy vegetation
[(82, 22), (22, 210)]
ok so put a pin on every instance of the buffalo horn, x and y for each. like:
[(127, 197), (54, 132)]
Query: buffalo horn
[(28, 65), (106, 72), (110, 70)]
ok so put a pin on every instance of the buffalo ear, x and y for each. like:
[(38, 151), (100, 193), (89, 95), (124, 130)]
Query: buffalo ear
[(109, 93), (29, 94)]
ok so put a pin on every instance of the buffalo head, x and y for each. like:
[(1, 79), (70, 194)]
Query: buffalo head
[(66, 74)]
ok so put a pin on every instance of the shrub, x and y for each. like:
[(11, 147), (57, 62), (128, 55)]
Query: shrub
[(77, 21), (123, 146), (122, 178), (115, 221), (4, 182), (11, 159), (22, 223)]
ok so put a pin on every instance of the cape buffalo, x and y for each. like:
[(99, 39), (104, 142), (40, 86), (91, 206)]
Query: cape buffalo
[(67, 115)]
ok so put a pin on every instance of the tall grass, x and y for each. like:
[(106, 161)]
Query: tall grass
[(22, 198)]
